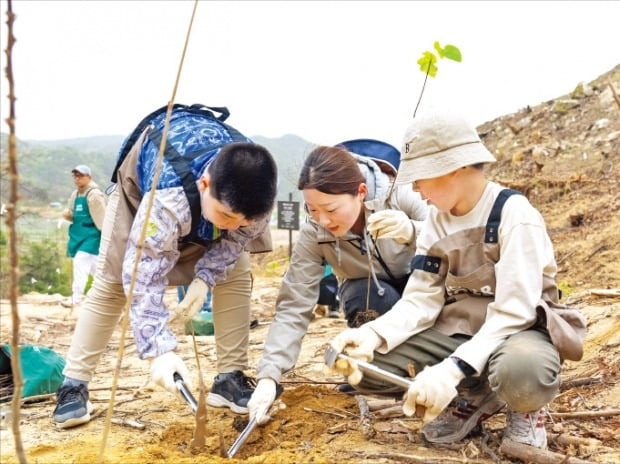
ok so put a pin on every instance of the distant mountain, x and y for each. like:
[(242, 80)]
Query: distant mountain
[(101, 143), (289, 152), (45, 165)]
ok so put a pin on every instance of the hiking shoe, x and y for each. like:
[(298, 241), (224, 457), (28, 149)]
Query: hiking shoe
[(72, 406), (462, 415), (231, 390), (527, 428), (346, 388), (333, 312)]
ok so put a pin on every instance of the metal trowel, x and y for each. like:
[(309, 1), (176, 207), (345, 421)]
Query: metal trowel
[(243, 436), (331, 355), (185, 393)]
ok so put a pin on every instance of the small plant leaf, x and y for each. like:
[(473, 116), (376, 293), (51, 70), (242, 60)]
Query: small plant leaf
[(427, 63), (440, 50), (453, 53)]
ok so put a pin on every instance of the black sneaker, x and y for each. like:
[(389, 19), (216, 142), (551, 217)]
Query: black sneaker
[(231, 390), (333, 312), (72, 406)]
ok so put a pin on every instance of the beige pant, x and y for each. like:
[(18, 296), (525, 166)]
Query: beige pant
[(99, 316)]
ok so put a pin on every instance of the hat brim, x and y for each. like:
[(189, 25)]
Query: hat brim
[(443, 162)]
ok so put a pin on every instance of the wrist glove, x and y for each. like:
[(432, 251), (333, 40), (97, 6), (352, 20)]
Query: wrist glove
[(433, 388), (358, 343), (391, 223), (261, 400), (192, 302), (163, 368)]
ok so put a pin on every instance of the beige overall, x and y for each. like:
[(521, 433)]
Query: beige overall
[(98, 317), (525, 370)]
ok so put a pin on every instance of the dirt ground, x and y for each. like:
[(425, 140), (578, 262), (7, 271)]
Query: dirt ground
[(562, 154), (318, 425)]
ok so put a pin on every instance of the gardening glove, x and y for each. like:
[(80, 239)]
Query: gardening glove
[(358, 343), (391, 223), (163, 368), (433, 388), (263, 397), (192, 302)]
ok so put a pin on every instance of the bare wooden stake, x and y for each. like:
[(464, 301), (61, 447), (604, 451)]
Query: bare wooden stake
[(140, 245), (200, 432), (12, 227)]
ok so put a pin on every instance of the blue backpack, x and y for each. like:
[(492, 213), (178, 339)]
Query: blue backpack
[(384, 154), (195, 137)]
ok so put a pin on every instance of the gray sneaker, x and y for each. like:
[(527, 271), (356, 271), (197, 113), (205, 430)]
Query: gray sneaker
[(72, 406), (462, 415), (231, 390), (527, 428)]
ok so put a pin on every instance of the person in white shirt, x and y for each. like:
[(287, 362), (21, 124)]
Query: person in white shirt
[(479, 319)]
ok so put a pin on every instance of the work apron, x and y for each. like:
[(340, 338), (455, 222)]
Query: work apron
[(83, 234), (468, 260)]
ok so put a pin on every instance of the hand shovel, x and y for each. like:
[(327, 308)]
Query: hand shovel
[(243, 436), (331, 355), (185, 393)]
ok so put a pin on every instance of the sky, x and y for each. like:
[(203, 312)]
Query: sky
[(325, 71)]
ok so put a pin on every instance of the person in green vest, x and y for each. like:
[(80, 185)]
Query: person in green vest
[(85, 211)]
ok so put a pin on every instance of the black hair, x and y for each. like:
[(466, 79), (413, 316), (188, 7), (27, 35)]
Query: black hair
[(244, 177), (331, 170)]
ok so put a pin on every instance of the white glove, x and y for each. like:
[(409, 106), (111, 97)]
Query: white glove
[(358, 343), (433, 388), (391, 223), (263, 397), (163, 368), (192, 302)]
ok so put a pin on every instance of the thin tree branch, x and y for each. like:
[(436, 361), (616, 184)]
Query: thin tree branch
[(13, 258)]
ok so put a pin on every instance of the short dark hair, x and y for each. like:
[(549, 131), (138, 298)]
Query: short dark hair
[(331, 170), (244, 176)]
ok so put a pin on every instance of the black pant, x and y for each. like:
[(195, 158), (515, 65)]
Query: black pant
[(328, 292), (356, 296)]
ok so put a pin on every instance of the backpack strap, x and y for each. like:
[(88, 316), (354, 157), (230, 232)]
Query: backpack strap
[(181, 166), (491, 234)]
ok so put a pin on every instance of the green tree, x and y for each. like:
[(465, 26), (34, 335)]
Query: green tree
[(45, 269)]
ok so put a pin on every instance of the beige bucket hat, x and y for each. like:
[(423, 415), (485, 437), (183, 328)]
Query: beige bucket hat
[(438, 143)]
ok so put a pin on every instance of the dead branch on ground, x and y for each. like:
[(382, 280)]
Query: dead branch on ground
[(365, 420), (585, 414), (539, 456)]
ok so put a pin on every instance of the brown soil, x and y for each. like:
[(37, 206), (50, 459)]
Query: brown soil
[(540, 151)]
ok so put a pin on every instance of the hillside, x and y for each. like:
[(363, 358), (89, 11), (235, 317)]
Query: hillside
[(45, 165), (564, 155)]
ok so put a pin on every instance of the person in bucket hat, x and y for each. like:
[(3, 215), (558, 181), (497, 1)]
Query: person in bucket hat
[(482, 298)]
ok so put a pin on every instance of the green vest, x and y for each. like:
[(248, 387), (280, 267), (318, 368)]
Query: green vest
[(83, 234)]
